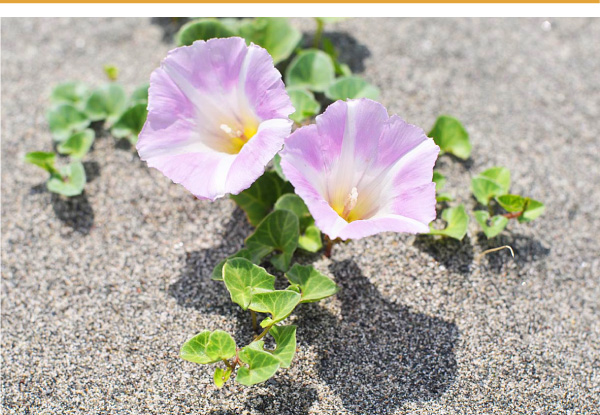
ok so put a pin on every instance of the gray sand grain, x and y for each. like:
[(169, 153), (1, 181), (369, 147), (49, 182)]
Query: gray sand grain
[(99, 293)]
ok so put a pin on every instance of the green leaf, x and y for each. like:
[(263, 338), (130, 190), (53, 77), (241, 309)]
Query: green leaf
[(443, 197), (305, 104), (277, 232), (457, 222), (491, 183), (512, 203), (296, 205), (439, 179), (220, 345), (244, 280), (351, 87), (310, 235), (70, 181), (314, 286), (340, 68), (208, 347), (73, 93), (258, 200), (311, 239), (485, 189), (277, 167), (106, 102), (202, 29), (500, 175), (64, 120), (42, 159), (261, 364), (112, 72), (221, 376), (311, 69), (274, 34), (140, 94), (495, 226), (130, 123), (533, 210), (217, 273), (451, 136), (78, 145), (285, 338), (278, 303)]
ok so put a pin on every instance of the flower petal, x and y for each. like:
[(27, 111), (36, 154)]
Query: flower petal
[(361, 172), (217, 114)]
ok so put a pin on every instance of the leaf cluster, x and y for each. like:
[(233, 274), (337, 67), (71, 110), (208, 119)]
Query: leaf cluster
[(253, 288), (490, 188), (73, 108)]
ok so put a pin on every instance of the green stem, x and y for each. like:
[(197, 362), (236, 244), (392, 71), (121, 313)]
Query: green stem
[(318, 33), (254, 326), (263, 334)]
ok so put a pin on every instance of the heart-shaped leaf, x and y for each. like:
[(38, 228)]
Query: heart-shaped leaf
[(533, 210), (221, 376), (78, 145), (244, 280), (491, 227), (64, 120), (512, 203), (258, 200), (130, 123), (274, 34), (140, 94), (217, 274), (277, 232), (42, 159), (310, 235), (202, 29), (70, 181), (490, 183), (305, 104), (311, 239), (107, 102), (208, 347), (485, 189), (261, 364), (451, 136), (501, 175), (278, 303), (314, 286), (351, 87), (457, 222), (311, 69), (220, 345), (285, 338), (73, 93)]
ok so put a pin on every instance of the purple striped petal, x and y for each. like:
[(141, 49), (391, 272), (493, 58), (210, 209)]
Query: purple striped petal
[(361, 172), (217, 114)]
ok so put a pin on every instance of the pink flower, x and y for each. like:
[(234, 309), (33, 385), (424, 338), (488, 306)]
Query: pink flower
[(361, 172), (217, 114)]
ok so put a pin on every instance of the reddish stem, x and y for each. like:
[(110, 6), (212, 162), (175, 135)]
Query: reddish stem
[(512, 215)]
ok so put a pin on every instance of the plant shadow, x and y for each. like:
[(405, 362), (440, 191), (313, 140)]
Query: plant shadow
[(457, 256), (526, 249), (195, 289), (283, 396), (351, 52), (75, 212), (379, 354)]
